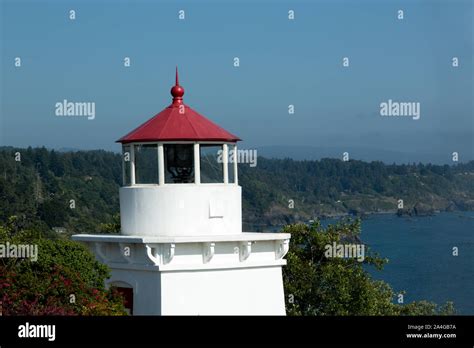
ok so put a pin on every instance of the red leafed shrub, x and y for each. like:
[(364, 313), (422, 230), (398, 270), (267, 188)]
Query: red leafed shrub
[(64, 280)]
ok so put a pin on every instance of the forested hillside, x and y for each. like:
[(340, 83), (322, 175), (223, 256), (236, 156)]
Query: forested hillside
[(332, 187), (78, 191), (75, 190)]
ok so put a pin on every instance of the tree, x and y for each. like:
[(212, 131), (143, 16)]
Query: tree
[(53, 212), (112, 227), (64, 280), (318, 285), (56, 164)]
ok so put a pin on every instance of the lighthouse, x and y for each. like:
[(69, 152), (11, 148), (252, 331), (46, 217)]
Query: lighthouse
[(181, 249)]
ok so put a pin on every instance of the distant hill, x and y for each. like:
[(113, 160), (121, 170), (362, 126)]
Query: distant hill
[(68, 149), (331, 187), (359, 153), (79, 190)]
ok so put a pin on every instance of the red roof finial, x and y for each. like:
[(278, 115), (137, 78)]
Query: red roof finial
[(177, 91)]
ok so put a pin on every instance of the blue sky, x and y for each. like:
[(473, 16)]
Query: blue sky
[(282, 62)]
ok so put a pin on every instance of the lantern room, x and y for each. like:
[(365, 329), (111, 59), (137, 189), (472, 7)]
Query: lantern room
[(179, 175)]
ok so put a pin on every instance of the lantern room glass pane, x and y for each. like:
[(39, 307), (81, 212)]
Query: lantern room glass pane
[(230, 163), (126, 157), (146, 164), (212, 164), (179, 163)]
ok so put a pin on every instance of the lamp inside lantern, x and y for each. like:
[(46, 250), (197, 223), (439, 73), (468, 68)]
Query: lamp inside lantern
[(179, 163)]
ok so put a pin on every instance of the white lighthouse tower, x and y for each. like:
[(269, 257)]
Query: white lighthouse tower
[(181, 250)]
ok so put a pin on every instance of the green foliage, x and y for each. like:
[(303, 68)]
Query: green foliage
[(427, 308), (52, 212), (333, 187), (39, 188), (111, 227), (318, 285), (35, 195), (64, 280)]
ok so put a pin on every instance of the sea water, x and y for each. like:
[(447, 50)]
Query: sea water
[(421, 253)]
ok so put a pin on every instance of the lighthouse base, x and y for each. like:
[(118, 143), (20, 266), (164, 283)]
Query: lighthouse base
[(207, 275)]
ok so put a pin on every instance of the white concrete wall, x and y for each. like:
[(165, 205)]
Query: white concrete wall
[(146, 289), (199, 275), (181, 209), (248, 291)]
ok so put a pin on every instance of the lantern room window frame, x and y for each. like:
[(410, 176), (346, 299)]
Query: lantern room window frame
[(226, 148)]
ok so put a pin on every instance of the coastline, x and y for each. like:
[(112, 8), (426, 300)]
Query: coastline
[(297, 218)]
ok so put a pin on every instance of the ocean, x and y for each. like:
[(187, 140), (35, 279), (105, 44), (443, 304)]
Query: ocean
[(420, 253)]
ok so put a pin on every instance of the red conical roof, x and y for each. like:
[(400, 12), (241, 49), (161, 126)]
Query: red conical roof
[(178, 122)]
